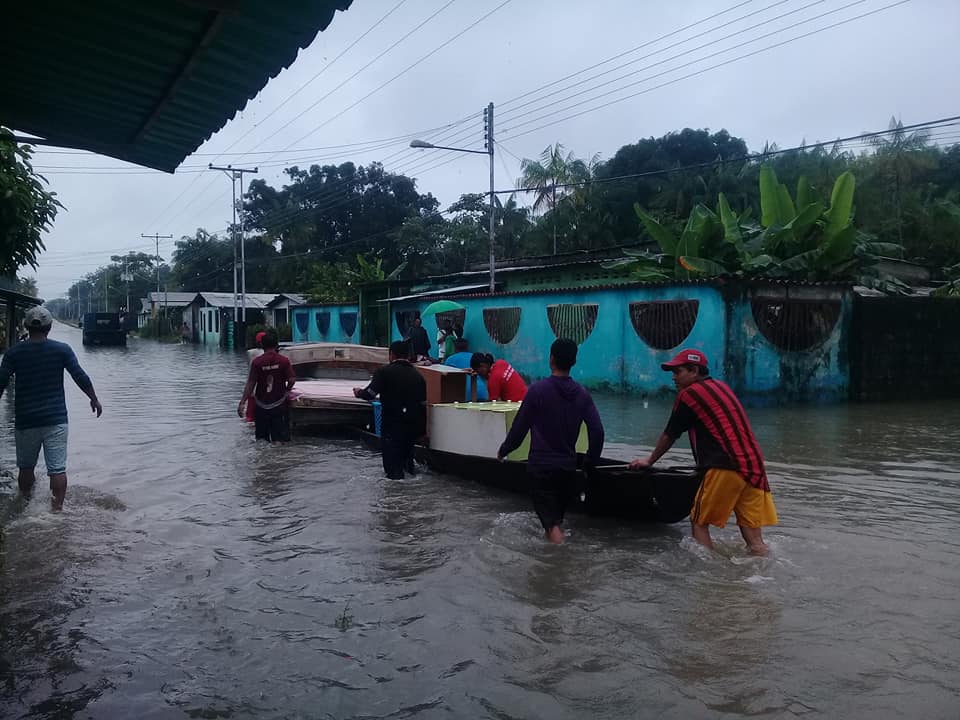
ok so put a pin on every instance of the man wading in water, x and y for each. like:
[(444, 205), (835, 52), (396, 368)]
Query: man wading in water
[(553, 411), (41, 412), (270, 380), (723, 444), (403, 405)]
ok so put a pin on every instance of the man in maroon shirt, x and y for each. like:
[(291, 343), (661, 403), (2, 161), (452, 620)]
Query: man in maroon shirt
[(271, 378)]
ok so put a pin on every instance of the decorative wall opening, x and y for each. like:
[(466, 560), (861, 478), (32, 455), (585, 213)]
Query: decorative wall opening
[(323, 322), (793, 325), (501, 323), (405, 320), (348, 323), (456, 317), (302, 321), (572, 321), (664, 324)]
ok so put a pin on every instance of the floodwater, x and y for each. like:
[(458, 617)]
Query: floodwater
[(195, 574)]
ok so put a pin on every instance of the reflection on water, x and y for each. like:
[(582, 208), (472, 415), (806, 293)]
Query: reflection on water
[(197, 574)]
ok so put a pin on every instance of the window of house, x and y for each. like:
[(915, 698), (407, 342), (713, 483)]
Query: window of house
[(572, 321), (664, 324), (502, 324)]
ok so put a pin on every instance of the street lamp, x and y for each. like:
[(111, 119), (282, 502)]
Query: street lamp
[(488, 121)]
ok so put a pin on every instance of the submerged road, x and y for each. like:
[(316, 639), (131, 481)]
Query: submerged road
[(195, 574)]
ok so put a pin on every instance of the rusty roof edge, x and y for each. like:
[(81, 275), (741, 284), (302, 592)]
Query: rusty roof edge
[(705, 282)]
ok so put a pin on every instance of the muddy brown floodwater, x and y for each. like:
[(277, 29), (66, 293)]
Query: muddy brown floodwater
[(195, 574)]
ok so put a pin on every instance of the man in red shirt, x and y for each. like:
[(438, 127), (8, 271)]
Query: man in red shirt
[(503, 381), (271, 378)]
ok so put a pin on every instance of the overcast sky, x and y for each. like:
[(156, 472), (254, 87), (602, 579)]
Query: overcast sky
[(901, 61)]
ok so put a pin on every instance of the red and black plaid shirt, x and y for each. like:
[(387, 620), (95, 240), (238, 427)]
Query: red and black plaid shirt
[(720, 433)]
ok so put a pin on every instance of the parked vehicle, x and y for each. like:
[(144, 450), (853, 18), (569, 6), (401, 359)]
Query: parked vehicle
[(103, 329)]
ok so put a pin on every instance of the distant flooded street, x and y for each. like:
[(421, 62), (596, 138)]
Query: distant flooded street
[(195, 574)]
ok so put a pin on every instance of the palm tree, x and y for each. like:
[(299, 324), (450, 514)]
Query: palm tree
[(900, 157), (547, 177)]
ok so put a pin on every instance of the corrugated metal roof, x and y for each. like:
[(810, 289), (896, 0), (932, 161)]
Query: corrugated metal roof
[(293, 298), (257, 301), (171, 297), (20, 299), (711, 282), (444, 291), (146, 82)]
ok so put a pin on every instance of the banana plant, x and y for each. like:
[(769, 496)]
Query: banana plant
[(800, 238)]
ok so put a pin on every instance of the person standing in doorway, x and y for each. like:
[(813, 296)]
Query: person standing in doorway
[(403, 402), (39, 406), (185, 333), (271, 378), (734, 480), (552, 412)]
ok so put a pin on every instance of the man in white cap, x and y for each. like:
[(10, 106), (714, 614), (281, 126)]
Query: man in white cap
[(40, 408)]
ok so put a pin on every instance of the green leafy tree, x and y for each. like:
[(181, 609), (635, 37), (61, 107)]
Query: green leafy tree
[(547, 176), (27, 210)]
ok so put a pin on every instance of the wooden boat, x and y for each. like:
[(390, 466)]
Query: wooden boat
[(657, 495), (322, 398)]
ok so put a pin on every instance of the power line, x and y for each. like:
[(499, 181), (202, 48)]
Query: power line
[(707, 69), (374, 60), (404, 71), (743, 158), (512, 100), (678, 67), (661, 50)]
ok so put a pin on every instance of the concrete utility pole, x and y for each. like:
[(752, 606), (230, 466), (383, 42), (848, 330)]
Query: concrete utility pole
[(488, 144), (158, 238), (488, 118), (237, 174)]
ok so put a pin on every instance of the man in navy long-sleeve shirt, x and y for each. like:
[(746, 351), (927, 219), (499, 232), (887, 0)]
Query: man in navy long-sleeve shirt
[(41, 411), (553, 412)]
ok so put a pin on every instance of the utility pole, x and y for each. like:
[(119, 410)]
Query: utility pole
[(488, 122), (105, 291), (158, 237), (237, 174)]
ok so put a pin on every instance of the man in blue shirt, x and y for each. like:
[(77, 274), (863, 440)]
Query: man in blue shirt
[(461, 359), (40, 408)]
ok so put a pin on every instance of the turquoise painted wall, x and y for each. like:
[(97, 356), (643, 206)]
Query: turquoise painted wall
[(764, 374), (614, 356), (334, 323)]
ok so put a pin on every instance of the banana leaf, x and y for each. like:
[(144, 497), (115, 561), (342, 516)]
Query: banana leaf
[(840, 213), (731, 223), (805, 193), (801, 225), (665, 239), (837, 248), (699, 225), (701, 266), (801, 263), (776, 208)]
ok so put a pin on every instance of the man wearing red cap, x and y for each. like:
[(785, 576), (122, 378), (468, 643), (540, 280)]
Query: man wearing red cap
[(724, 447)]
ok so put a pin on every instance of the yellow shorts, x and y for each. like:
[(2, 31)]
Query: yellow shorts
[(725, 491)]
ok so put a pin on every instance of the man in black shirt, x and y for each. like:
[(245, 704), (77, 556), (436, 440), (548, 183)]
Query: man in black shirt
[(403, 399), (419, 340)]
